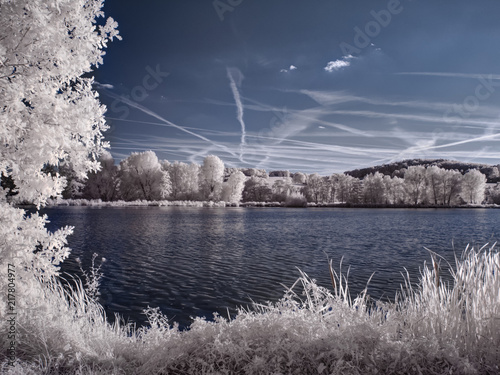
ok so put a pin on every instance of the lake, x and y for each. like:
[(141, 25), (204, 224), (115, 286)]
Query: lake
[(196, 261)]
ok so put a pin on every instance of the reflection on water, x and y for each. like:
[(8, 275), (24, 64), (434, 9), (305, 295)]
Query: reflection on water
[(196, 261)]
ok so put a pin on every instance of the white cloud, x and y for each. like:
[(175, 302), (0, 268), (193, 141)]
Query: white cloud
[(336, 65), (339, 64), (291, 68)]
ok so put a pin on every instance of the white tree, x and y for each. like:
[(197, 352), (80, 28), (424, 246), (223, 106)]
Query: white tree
[(433, 175), (415, 184), (74, 184), (374, 188), (184, 179), (282, 189), (315, 190), (104, 183), (46, 105), (347, 188), (232, 189), (142, 177), (179, 177), (256, 190), (495, 173), (451, 185), (192, 183), (473, 187), (299, 178), (211, 177), (49, 114), (492, 194), (394, 189), (333, 183)]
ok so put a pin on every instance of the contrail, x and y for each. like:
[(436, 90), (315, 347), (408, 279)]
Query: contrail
[(451, 144), (155, 115), (477, 139), (300, 113), (239, 106), (452, 75), (218, 132)]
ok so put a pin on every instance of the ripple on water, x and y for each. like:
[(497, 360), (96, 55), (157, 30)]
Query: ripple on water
[(196, 261)]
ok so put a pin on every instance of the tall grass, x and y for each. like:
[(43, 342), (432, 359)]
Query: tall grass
[(463, 317), (432, 328)]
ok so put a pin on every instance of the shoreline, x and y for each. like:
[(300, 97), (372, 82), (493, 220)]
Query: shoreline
[(210, 204)]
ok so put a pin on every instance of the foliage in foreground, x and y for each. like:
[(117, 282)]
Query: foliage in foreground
[(434, 328)]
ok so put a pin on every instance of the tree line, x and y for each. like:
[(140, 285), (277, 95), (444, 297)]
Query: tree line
[(142, 176), (415, 185), (491, 172)]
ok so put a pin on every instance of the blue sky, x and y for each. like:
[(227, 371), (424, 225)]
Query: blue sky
[(314, 86)]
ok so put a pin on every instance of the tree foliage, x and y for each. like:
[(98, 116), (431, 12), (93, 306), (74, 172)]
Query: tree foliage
[(299, 178), (211, 177), (282, 189), (347, 189), (49, 113), (104, 183), (184, 179), (142, 177), (374, 188), (232, 189), (49, 116), (473, 187), (257, 190), (394, 190), (415, 184), (393, 169)]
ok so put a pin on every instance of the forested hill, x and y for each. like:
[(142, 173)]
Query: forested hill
[(490, 171)]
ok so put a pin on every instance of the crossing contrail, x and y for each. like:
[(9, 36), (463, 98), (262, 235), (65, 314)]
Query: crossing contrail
[(170, 123), (239, 105)]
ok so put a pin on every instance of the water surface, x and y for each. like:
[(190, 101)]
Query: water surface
[(197, 261)]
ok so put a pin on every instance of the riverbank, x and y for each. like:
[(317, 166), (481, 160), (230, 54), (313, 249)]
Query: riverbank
[(165, 203)]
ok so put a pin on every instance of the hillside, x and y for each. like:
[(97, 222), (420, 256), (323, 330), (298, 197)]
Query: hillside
[(490, 171)]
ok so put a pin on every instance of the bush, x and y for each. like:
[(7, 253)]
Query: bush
[(296, 201)]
